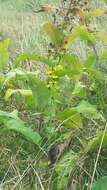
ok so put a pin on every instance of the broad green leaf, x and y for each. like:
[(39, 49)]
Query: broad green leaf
[(19, 74), (79, 89), (11, 121), (72, 64), (23, 92), (100, 184), (91, 68), (90, 61), (70, 118), (4, 54), (7, 115), (40, 92), (88, 110), (95, 142), (94, 73), (55, 34), (85, 35), (30, 56), (18, 126)]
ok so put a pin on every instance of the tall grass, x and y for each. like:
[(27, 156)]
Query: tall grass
[(22, 26)]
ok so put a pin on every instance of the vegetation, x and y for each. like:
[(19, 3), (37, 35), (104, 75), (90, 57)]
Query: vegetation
[(54, 104)]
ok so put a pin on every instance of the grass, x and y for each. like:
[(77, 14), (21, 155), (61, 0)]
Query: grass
[(21, 25), (23, 28)]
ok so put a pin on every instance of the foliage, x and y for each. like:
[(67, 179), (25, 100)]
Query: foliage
[(4, 54), (100, 184), (69, 104), (12, 122)]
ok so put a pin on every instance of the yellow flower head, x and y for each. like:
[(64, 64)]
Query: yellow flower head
[(51, 84), (49, 72)]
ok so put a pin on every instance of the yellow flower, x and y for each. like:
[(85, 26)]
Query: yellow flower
[(51, 84), (49, 72)]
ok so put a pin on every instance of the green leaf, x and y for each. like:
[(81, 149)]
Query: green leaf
[(95, 142), (70, 118), (40, 92), (88, 110), (90, 61), (85, 35), (11, 121), (30, 56), (18, 126), (72, 64), (95, 73), (4, 54), (100, 184), (23, 92), (7, 115), (19, 74), (55, 34), (79, 89)]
